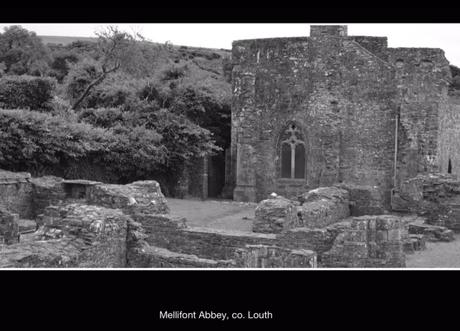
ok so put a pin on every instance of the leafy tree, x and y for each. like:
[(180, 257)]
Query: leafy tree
[(23, 52), (61, 61), (115, 49)]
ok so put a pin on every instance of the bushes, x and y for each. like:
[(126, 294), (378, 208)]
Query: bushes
[(26, 92), (32, 141)]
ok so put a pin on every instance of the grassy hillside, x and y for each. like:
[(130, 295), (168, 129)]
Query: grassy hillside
[(64, 40), (206, 68)]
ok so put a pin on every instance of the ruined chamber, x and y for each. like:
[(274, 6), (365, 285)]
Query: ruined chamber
[(330, 108)]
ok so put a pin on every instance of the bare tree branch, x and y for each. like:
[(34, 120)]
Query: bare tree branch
[(114, 47)]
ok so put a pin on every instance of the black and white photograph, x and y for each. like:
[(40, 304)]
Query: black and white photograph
[(245, 146), (212, 166)]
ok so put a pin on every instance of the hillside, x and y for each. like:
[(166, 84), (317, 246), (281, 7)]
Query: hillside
[(203, 67), (64, 40)]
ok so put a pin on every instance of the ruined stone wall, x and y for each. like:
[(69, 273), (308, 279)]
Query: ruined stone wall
[(73, 235), (16, 193), (422, 76), (338, 93), (369, 242), (375, 45), (434, 196)]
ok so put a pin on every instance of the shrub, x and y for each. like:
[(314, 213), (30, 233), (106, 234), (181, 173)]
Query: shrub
[(31, 141), (26, 92), (102, 117), (174, 72)]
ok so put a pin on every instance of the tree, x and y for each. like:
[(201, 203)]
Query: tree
[(115, 50), (23, 52)]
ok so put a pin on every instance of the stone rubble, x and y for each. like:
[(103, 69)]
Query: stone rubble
[(275, 215)]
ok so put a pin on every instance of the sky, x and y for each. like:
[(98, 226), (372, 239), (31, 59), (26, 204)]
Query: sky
[(445, 36)]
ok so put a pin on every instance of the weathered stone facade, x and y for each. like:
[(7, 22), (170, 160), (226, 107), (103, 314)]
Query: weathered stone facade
[(434, 196), (331, 108)]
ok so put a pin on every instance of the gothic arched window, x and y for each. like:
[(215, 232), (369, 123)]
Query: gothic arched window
[(292, 153)]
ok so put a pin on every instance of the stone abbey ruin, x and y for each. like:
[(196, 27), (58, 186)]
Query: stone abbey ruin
[(349, 148)]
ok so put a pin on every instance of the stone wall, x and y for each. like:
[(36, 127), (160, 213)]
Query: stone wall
[(371, 241), (422, 77), (141, 196), (262, 256), (16, 193), (167, 240), (323, 206), (349, 96), (364, 199), (450, 138), (275, 215), (140, 254), (9, 228), (434, 196), (73, 235), (338, 93), (47, 190)]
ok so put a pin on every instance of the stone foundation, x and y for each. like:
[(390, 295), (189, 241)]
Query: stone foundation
[(262, 256), (370, 241)]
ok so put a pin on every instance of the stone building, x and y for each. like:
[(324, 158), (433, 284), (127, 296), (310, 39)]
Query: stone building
[(331, 108)]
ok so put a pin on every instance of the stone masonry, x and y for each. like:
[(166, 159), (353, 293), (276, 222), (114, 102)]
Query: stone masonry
[(332, 108)]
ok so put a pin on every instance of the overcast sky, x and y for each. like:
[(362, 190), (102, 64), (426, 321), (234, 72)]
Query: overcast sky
[(445, 36)]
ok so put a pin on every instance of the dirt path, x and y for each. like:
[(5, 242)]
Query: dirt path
[(218, 214), (436, 255)]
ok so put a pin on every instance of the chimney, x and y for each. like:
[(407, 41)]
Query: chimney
[(328, 30)]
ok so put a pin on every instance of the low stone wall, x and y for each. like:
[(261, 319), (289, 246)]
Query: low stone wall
[(156, 257), (141, 196), (263, 256), (140, 254), (318, 240), (370, 241), (217, 244)]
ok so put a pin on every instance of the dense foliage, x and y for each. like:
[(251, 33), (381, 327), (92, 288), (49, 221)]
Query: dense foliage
[(22, 52), (31, 141), (26, 92), (138, 109)]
